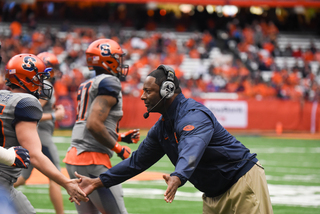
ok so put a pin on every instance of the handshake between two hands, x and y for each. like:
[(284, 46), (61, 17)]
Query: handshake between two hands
[(88, 185)]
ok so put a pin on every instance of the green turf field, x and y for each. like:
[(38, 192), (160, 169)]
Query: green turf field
[(292, 167)]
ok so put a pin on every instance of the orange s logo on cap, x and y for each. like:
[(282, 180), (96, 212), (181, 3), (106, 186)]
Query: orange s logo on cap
[(188, 128)]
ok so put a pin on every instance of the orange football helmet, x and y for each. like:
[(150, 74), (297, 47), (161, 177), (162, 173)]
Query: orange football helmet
[(50, 60), (28, 72), (106, 56)]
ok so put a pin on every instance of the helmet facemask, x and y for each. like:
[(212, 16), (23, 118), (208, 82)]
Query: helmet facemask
[(116, 59), (46, 89), (124, 68)]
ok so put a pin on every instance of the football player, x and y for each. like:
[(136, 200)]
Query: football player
[(20, 111), (94, 136), (51, 113)]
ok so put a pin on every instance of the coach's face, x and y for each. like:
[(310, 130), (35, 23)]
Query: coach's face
[(151, 95)]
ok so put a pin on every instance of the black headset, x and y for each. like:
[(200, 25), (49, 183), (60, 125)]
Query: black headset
[(168, 87)]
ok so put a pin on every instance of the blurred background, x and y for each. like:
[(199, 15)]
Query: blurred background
[(255, 64)]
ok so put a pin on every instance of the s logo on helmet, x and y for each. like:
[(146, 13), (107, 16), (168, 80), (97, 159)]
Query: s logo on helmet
[(105, 49), (29, 63)]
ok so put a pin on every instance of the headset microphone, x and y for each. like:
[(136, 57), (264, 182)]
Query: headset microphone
[(146, 115)]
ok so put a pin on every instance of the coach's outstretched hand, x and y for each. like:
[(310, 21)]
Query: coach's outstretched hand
[(173, 183), (88, 185), (75, 192)]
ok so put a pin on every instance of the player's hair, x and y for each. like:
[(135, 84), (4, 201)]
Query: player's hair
[(160, 76), (13, 86)]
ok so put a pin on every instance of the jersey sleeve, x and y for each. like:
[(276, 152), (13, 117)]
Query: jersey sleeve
[(27, 110), (109, 86)]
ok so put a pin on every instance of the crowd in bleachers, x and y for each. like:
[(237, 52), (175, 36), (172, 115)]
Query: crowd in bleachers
[(247, 53), (257, 45)]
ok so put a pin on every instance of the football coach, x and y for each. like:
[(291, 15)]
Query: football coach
[(203, 152)]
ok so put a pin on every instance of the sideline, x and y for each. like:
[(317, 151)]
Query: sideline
[(235, 132)]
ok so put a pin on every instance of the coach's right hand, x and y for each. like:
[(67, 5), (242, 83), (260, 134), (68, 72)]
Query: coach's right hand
[(88, 185), (75, 192)]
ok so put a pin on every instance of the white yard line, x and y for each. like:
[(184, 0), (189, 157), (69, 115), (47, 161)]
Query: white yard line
[(280, 194), (286, 150), (53, 211)]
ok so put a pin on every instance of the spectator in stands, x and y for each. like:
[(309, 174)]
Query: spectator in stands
[(317, 55), (258, 34), (272, 31), (67, 45), (313, 47), (297, 53), (308, 55), (287, 51), (306, 70), (276, 51), (16, 27), (294, 76)]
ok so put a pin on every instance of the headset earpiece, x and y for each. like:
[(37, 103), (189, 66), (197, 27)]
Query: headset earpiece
[(167, 88)]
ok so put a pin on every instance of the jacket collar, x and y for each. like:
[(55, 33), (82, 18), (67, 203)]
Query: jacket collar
[(172, 108)]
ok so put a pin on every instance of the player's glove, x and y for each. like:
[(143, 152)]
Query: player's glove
[(22, 159), (132, 136), (122, 151)]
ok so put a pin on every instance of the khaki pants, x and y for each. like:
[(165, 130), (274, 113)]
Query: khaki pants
[(250, 195)]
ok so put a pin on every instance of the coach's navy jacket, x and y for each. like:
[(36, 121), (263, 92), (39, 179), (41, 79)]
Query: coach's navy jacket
[(203, 152)]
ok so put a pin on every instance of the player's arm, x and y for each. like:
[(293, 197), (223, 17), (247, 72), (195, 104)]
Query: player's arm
[(98, 114), (58, 113), (141, 159), (27, 136), (27, 113), (148, 153)]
